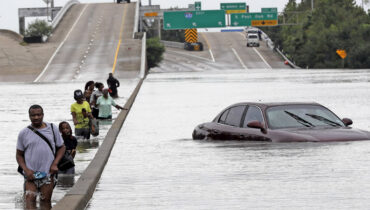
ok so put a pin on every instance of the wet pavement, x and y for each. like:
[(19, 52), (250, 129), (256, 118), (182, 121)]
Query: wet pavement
[(56, 99), (156, 165)]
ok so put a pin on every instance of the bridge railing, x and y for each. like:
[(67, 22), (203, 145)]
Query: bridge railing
[(61, 13)]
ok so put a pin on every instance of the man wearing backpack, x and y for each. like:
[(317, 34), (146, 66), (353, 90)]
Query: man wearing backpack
[(38, 159)]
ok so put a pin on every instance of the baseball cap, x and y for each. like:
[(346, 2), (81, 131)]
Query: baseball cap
[(78, 94)]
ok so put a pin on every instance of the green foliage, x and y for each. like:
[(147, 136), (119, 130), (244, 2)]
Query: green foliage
[(154, 52), (334, 24), (38, 28)]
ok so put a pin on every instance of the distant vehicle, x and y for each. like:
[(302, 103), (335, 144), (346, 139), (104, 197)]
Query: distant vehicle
[(252, 40), (279, 122)]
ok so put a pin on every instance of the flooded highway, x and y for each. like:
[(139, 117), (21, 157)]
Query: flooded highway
[(56, 99), (156, 165)]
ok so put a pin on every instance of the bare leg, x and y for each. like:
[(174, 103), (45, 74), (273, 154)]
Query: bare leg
[(30, 195), (46, 192)]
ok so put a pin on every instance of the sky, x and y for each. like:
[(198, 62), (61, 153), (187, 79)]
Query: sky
[(9, 8)]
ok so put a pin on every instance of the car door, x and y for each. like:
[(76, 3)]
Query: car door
[(229, 124), (253, 113)]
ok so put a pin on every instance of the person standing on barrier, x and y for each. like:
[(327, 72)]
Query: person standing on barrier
[(81, 126), (105, 103), (38, 158), (113, 84)]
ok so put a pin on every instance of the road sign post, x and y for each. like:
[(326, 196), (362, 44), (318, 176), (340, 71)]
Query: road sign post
[(193, 19)]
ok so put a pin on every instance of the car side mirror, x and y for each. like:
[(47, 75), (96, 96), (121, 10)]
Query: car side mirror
[(257, 124), (347, 121)]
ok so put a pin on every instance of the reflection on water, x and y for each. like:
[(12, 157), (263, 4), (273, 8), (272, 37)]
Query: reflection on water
[(66, 181), (55, 98), (156, 165)]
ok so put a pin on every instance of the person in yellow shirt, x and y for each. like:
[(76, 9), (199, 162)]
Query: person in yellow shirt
[(79, 120)]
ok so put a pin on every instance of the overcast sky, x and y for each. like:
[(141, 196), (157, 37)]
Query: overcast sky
[(9, 8)]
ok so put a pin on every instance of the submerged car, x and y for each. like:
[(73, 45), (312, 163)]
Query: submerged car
[(279, 122)]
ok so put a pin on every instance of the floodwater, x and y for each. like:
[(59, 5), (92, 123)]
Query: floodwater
[(156, 165), (56, 99)]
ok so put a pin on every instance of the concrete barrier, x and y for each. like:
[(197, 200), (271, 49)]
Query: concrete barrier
[(80, 194), (61, 13), (136, 23), (173, 44), (143, 64)]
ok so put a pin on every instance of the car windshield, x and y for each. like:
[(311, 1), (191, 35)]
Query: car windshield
[(252, 36), (296, 116)]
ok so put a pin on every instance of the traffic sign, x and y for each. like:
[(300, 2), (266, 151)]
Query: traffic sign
[(151, 14), (246, 19), (198, 5), (264, 22), (193, 19), (342, 53), (266, 10), (191, 35), (235, 11), (233, 6)]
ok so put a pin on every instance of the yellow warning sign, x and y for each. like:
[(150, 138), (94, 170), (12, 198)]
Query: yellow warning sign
[(151, 14), (191, 35), (264, 22), (342, 53), (235, 11)]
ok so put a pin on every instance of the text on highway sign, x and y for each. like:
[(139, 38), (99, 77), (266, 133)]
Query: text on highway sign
[(246, 19), (265, 10), (193, 19), (233, 6)]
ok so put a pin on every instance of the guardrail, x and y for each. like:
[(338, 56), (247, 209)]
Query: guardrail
[(173, 44), (136, 23), (285, 58), (61, 13), (271, 45)]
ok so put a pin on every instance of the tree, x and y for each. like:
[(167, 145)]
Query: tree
[(154, 52), (39, 28)]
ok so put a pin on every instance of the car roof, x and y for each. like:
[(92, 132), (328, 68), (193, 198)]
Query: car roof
[(270, 104)]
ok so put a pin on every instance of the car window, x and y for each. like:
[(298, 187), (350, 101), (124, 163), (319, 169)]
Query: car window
[(234, 116), (253, 114), (294, 116), (223, 117)]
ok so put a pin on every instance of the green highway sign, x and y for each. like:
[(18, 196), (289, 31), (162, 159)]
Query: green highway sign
[(247, 18), (233, 6), (198, 5), (193, 19), (266, 10)]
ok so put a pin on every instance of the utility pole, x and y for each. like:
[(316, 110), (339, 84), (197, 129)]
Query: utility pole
[(312, 5), (150, 2)]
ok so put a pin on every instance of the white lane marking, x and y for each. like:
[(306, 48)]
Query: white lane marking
[(61, 44), (240, 60), (268, 65), (258, 53), (188, 55), (213, 58)]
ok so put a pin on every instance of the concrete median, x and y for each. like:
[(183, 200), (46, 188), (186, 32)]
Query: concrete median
[(82, 191)]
